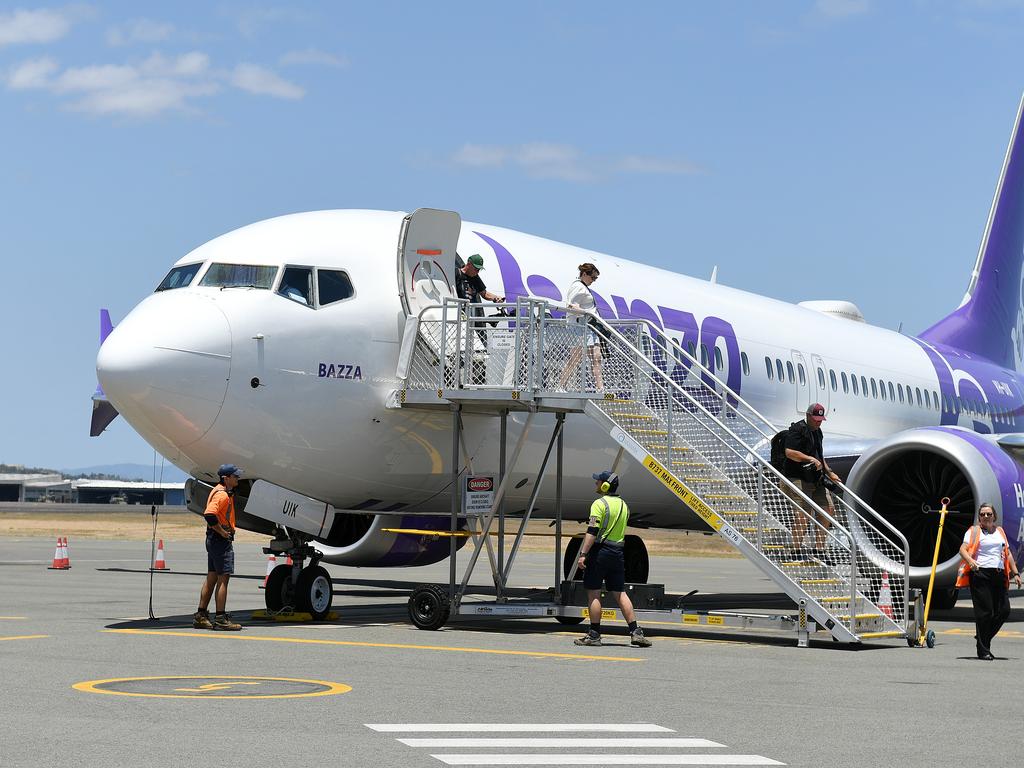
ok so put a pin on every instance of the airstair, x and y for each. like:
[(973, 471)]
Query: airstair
[(671, 413)]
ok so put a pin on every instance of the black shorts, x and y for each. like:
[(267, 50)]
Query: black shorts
[(220, 554), (607, 567)]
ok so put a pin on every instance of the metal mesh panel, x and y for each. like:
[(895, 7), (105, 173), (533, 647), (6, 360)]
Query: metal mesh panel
[(704, 434)]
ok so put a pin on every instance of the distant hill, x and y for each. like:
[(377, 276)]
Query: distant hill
[(171, 474)]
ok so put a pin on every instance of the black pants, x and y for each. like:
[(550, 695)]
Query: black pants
[(991, 604)]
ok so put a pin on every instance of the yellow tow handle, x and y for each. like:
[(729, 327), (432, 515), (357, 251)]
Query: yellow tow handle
[(931, 579)]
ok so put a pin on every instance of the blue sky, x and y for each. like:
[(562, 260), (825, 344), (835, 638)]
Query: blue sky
[(833, 149)]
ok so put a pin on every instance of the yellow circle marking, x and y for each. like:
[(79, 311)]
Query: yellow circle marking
[(92, 686)]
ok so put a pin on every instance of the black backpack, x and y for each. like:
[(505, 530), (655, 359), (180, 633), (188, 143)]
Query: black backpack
[(778, 454)]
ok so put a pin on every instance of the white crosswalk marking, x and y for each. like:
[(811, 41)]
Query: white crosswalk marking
[(599, 749), (517, 727), (599, 759), (548, 743)]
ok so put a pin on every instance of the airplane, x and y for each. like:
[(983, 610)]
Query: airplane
[(275, 347)]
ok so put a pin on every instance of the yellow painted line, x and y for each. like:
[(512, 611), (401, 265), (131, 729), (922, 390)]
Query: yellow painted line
[(92, 686), (11, 618), (1002, 632), (309, 641), (24, 637)]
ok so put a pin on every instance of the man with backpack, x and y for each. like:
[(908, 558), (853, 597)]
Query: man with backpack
[(805, 466)]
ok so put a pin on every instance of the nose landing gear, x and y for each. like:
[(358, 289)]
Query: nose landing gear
[(302, 589)]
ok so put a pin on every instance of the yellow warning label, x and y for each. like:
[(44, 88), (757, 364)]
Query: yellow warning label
[(690, 619), (716, 620), (684, 493), (606, 613)]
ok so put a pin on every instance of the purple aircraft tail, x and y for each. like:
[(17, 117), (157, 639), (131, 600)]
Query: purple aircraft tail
[(990, 320), (102, 411)]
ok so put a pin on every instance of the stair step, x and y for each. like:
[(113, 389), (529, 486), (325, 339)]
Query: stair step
[(820, 581), (633, 416), (860, 617), (649, 431), (715, 480), (836, 599), (662, 446), (889, 633), (723, 496), (737, 513)]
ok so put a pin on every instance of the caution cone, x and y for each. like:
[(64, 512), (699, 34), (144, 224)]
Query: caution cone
[(160, 564), (271, 564), (66, 554), (885, 596), (60, 558)]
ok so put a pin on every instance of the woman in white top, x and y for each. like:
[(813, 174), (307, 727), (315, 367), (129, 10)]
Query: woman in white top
[(579, 298), (988, 565)]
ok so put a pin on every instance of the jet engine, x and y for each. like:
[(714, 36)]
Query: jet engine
[(353, 539), (905, 476)]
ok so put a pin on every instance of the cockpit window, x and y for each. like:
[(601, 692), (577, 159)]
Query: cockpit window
[(239, 276), (333, 286), (179, 277), (297, 285)]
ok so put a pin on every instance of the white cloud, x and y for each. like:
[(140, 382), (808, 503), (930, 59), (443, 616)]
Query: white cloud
[(545, 160), (838, 9), (262, 82), (34, 73), (314, 56), (146, 88), (139, 31), (39, 26)]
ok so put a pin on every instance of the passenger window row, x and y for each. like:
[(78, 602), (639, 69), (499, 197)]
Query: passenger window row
[(887, 391)]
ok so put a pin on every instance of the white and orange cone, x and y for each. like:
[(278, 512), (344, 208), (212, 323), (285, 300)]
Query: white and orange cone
[(271, 564), (885, 596), (160, 564), (61, 560)]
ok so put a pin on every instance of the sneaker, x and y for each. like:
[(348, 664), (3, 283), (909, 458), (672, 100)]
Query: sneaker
[(223, 621), (201, 620), (588, 639), (637, 638)]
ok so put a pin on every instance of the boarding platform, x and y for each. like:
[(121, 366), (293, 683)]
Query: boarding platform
[(666, 409)]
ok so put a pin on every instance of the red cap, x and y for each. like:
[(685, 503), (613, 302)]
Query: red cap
[(816, 409)]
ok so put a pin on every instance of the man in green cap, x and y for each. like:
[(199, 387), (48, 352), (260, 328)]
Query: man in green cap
[(469, 285)]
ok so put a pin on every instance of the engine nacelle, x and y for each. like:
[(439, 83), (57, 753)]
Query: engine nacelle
[(904, 477), (351, 539)]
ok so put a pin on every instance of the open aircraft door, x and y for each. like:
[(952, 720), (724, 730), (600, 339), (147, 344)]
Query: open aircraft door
[(426, 259)]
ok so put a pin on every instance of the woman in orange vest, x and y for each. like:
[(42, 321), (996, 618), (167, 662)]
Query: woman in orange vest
[(987, 567)]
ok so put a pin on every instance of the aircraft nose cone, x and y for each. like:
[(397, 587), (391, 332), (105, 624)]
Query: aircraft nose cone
[(166, 366)]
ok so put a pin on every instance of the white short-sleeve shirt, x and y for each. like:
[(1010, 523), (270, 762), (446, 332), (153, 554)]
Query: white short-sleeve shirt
[(990, 548), (581, 296)]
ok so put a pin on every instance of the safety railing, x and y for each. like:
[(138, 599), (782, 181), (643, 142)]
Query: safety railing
[(684, 416)]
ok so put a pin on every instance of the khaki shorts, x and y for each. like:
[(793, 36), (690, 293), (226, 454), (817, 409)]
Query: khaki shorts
[(815, 491)]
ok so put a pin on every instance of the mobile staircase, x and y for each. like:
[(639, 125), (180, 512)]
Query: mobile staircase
[(700, 439)]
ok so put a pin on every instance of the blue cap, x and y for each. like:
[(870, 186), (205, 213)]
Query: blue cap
[(603, 476), (229, 469)]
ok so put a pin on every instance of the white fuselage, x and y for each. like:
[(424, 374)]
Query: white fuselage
[(183, 366)]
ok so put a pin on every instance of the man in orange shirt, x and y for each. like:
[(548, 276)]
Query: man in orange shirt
[(220, 554)]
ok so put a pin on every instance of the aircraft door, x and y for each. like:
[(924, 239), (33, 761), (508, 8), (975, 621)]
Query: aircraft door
[(819, 378), (426, 258), (802, 384)]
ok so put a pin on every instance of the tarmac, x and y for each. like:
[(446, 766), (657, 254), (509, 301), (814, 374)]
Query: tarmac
[(89, 680)]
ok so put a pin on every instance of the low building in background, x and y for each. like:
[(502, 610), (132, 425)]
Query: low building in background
[(33, 487)]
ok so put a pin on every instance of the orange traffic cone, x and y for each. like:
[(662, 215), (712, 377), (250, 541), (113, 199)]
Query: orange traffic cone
[(885, 596), (160, 564), (66, 554), (61, 561), (271, 564)]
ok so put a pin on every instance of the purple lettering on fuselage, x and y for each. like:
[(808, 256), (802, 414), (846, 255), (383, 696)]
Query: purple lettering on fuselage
[(980, 385), (679, 325)]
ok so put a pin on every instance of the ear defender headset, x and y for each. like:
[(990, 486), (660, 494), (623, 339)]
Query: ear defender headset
[(611, 484)]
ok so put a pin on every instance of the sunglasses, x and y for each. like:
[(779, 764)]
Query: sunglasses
[(986, 514)]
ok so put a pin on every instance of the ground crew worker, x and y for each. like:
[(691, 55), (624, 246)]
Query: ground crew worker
[(987, 568), (601, 558), (220, 554)]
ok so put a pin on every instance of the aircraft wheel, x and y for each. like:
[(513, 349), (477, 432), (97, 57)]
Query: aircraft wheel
[(569, 619), (929, 639), (638, 562), (944, 599), (429, 607), (279, 593), (314, 592)]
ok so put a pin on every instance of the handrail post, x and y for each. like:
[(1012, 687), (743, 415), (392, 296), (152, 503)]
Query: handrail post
[(853, 581), (558, 506), (760, 510)]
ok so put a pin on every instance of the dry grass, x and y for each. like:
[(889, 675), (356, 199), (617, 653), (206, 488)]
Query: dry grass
[(129, 526)]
